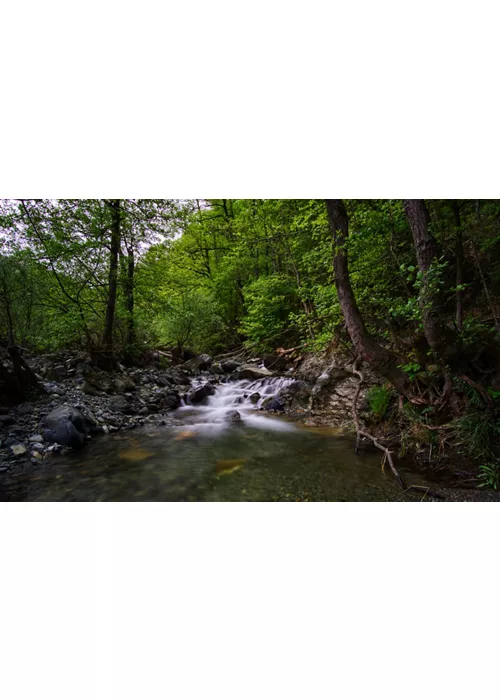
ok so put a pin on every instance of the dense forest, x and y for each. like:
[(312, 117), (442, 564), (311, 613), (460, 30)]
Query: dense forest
[(406, 289)]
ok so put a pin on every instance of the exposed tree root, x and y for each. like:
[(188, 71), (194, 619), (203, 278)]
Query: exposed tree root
[(360, 432)]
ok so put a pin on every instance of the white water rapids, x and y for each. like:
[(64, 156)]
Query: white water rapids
[(235, 396)]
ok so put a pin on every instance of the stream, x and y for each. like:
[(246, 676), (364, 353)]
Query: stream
[(200, 455)]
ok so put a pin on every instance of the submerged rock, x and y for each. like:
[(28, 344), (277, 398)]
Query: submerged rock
[(233, 416)]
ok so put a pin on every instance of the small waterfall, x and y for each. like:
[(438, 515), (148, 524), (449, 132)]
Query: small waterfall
[(236, 396)]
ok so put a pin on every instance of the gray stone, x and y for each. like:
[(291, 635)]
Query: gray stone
[(201, 393), (253, 372), (233, 416), (36, 438), (18, 450), (272, 404)]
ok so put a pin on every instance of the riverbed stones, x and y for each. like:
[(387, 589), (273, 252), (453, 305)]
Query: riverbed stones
[(18, 450), (255, 397)]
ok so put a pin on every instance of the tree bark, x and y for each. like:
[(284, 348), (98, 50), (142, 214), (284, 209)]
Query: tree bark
[(459, 265), (107, 336), (426, 253), (129, 299), (367, 348)]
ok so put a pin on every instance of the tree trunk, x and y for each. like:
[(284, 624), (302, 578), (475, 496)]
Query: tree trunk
[(367, 348), (459, 265), (129, 301), (426, 252), (107, 336)]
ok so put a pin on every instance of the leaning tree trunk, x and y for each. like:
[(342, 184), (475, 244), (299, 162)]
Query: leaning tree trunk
[(367, 348), (107, 357), (426, 253)]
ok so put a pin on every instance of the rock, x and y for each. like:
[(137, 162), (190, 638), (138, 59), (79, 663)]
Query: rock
[(7, 420), (65, 433), (217, 368), (90, 389), (35, 438), (36, 446), (275, 362), (123, 384), (255, 397), (18, 450), (233, 416), (36, 455), (119, 403), (25, 409), (198, 364), (253, 372), (229, 366), (66, 412), (65, 425), (201, 393), (295, 394), (204, 362), (177, 378), (272, 404), (169, 399)]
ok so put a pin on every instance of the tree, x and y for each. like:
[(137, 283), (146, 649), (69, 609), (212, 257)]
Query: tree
[(367, 348), (430, 290)]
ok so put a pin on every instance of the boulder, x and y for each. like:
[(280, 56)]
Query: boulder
[(201, 393), (167, 398), (255, 397), (66, 413), (275, 362), (296, 394), (229, 366), (253, 372), (233, 416), (65, 433), (272, 404), (66, 426), (202, 363)]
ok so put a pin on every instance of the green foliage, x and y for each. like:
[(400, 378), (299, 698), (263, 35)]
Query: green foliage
[(379, 398), (269, 301), (477, 432), (489, 476), (191, 319)]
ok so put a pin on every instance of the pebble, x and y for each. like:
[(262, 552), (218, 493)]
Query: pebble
[(18, 450)]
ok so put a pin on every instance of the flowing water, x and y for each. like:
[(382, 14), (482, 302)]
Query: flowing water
[(200, 455)]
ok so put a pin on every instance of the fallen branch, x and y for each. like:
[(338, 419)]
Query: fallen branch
[(360, 432)]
